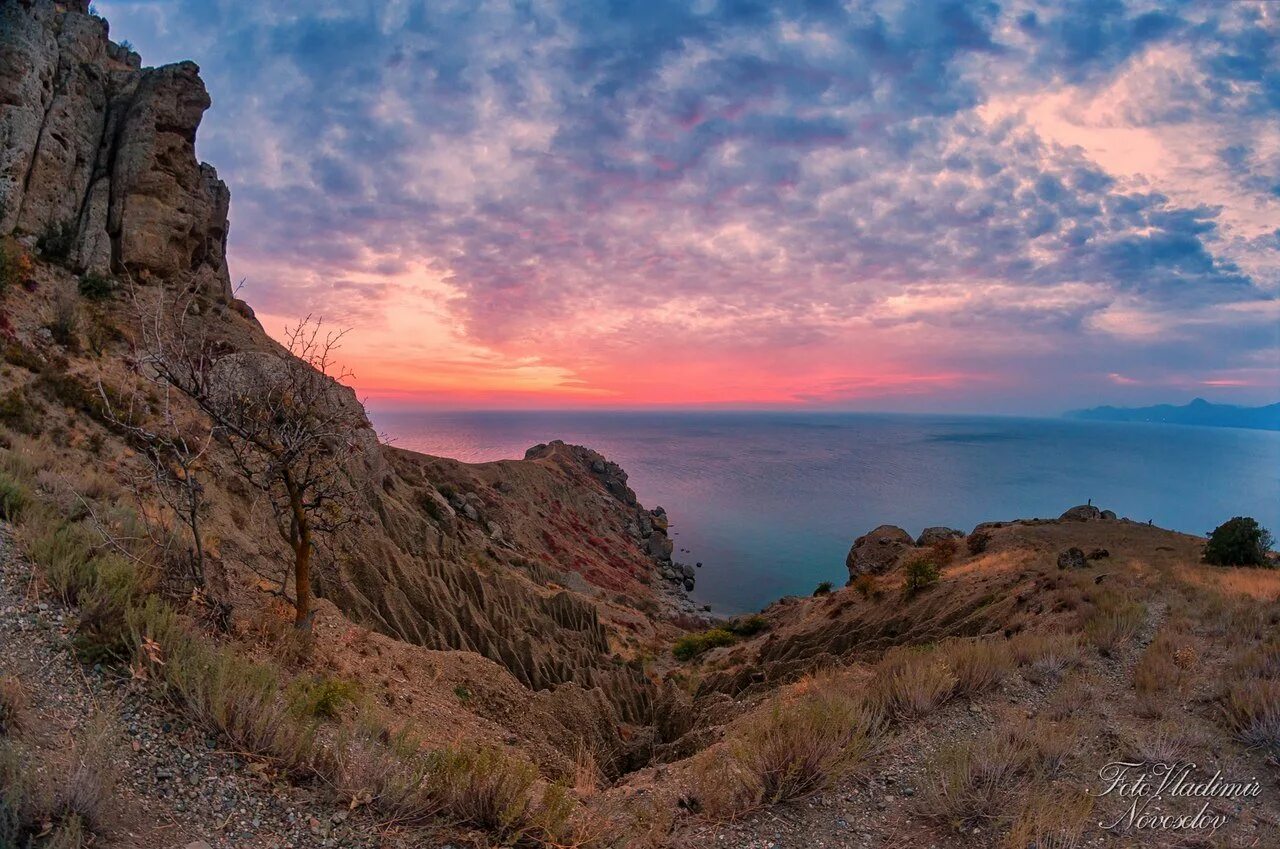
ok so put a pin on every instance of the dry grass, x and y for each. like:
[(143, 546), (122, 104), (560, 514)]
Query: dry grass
[(1046, 657), (1251, 709), (1051, 817), (1050, 742), (475, 786), (789, 751), (20, 805), (909, 683), (1071, 699), (1114, 621), (13, 706), (87, 794), (974, 781), (978, 665), (1163, 667), (1160, 742), (220, 689)]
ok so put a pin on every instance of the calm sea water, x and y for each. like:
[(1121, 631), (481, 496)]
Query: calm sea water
[(770, 502)]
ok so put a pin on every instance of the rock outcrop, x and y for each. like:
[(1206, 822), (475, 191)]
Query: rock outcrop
[(1081, 513), (101, 149), (878, 551), (938, 533)]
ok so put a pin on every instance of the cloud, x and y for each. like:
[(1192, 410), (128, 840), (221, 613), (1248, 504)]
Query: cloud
[(952, 193)]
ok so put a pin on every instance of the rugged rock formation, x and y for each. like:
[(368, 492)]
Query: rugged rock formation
[(549, 567), (1081, 513), (99, 146), (937, 533), (877, 551)]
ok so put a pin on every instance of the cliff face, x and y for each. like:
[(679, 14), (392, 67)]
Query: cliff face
[(93, 142)]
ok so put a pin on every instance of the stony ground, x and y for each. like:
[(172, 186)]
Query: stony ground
[(175, 785), (881, 808)]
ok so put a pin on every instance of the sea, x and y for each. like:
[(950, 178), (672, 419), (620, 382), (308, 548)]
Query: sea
[(769, 502)]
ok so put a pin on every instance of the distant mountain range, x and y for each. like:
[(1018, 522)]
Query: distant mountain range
[(1198, 412)]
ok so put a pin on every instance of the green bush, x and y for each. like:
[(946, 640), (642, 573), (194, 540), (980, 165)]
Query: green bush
[(823, 588), (921, 574), (747, 626), (13, 498), (691, 645), (321, 697), (1238, 542), (96, 287)]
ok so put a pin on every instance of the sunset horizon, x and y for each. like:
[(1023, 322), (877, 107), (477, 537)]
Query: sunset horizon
[(1011, 208)]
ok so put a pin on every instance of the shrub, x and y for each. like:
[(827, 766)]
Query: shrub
[(978, 541), (691, 645), (63, 552), (1114, 621), (978, 665), (974, 781), (220, 689), (86, 796), (790, 751), (747, 626), (18, 412), (21, 809), (1045, 656), (480, 787), (1251, 709), (13, 498), (823, 588), (321, 696), (56, 241), (13, 706), (1051, 820), (96, 287), (15, 263), (921, 573), (909, 683), (1238, 542), (944, 551)]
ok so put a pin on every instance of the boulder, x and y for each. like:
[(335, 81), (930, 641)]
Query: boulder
[(660, 546), (937, 534), (1082, 513), (877, 551), (1098, 554), (1072, 558), (1109, 515)]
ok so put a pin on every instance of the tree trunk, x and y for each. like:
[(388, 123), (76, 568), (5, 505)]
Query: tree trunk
[(301, 554)]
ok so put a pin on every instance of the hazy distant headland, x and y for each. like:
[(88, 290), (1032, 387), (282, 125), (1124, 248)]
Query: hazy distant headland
[(1198, 412)]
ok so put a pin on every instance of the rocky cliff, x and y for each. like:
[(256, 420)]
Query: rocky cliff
[(545, 571), (100, 152)]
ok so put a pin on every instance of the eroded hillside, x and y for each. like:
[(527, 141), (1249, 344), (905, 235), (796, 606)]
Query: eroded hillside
[(503, 653)]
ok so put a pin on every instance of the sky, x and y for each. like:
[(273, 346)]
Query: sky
[(1012, 207)]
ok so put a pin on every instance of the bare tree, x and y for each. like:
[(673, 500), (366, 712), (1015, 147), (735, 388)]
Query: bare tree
[(174, 451), (288, 422)]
